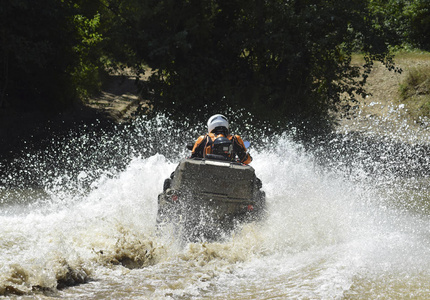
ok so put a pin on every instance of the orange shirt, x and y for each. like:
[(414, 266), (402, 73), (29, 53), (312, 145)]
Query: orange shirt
[(203, 146)]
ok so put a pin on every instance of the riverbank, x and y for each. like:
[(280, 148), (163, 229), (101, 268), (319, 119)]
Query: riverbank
[(381, 111), (116, 104)]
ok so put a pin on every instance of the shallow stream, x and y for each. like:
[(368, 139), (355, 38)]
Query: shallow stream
[(77, 220)]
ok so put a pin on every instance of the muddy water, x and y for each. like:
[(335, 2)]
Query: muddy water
[(90, 234)]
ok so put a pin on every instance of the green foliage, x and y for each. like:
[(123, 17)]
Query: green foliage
[(409, 20), (86, 74), (281, 60), (419, 30), (50, 53)]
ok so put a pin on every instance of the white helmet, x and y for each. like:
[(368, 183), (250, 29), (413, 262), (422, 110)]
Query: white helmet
[(217, 121)]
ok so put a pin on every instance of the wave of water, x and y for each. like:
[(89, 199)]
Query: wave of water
[(85, 228)]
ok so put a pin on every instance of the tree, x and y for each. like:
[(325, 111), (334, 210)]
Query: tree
[(418, 15), (409, 20), (281, 60), (50, 53), (35, 52)]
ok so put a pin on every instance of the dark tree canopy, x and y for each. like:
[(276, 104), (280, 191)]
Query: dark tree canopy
[(34, 53), (282, 61), (410, 20), (46, 54)]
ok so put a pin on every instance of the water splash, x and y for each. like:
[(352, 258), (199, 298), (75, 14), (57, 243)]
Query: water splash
[(340, 223)]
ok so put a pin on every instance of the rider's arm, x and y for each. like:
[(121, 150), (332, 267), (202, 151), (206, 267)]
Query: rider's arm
[(199, 147), (240, 149)]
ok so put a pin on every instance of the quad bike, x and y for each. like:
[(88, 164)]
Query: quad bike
[(206, 198)]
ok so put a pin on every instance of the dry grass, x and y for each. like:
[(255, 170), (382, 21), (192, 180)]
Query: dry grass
[(410, 87), (384, 110), (415, 92)]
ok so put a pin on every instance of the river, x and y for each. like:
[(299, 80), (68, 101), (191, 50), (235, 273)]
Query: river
[(78, 218)]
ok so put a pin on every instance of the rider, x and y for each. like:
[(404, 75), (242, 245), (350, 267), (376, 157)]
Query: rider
[(218, 142)]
